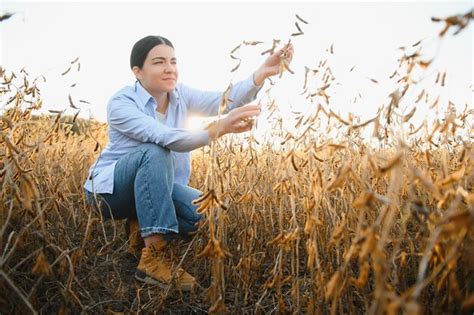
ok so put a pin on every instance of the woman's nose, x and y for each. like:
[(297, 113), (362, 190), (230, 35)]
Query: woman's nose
[(170, 68)]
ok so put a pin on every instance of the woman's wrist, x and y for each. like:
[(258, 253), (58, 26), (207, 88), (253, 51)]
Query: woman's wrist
[(259, 77), (215, 130)]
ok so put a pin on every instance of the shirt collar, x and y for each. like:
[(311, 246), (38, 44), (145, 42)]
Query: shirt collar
[(144, 96)]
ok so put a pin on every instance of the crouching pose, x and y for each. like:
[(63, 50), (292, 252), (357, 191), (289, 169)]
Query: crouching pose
[(142, 174)]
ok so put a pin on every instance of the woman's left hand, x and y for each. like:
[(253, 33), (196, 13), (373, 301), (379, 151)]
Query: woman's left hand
[(271, 66)]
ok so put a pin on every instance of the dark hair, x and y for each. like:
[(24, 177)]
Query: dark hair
[(143, 46)]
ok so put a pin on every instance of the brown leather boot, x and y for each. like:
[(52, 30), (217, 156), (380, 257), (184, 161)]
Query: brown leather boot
[(155, 268), (135, 241)]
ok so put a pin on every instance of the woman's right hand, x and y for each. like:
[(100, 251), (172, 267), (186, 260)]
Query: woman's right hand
[(236, 121)]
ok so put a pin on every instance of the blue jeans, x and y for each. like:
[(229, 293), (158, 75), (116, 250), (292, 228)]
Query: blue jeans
[(144, 188)]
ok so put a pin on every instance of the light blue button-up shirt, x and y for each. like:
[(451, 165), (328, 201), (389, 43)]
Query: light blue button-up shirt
[(132, 119)]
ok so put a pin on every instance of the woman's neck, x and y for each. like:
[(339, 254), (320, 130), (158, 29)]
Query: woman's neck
[(162, 101)]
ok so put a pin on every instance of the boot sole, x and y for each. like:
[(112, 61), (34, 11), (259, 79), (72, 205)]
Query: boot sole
[(143, 277)]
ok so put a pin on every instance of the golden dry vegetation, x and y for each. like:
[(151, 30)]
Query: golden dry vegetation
[(303, 223)]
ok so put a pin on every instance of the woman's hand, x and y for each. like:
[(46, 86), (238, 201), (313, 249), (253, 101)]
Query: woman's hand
[(238, 120), (271, 66)]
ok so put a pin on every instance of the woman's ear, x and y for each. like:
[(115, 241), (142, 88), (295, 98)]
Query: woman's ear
[(137, 72)]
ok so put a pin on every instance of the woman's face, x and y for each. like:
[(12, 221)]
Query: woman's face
[(159, 72)]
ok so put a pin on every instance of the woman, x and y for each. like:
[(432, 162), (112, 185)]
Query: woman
[(144, 170)]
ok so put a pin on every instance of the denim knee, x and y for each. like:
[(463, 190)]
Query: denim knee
[(156, 152)]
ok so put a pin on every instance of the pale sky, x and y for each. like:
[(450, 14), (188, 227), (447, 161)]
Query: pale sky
[(45, 36)]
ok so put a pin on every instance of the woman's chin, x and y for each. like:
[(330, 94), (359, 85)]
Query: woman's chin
[(168, 87)]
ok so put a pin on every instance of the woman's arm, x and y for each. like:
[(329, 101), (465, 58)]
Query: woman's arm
[(124, 116), (207, 103)]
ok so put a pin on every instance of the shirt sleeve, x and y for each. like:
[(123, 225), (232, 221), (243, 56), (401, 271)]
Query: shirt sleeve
[(124, 116), (207, 103)]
